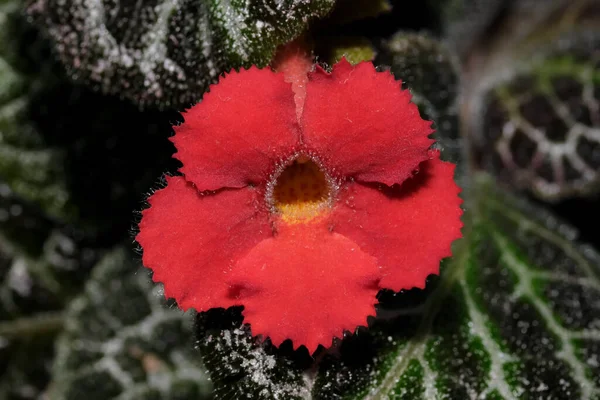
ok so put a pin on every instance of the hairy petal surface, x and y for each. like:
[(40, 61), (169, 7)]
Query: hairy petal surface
[(191, 240), (239, 131), (363, 125), (306, 284), (408, 228)]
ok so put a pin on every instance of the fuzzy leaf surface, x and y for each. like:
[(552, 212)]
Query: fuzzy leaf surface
[(165, 52), (122, 340)]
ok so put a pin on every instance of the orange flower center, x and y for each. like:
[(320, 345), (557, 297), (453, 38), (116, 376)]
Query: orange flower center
[(302, 191)]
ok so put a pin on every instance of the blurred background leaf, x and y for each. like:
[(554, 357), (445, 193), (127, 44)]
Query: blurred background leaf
[(123, 340), (531, 96)]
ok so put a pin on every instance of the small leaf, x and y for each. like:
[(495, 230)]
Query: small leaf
[(354, 49), (122, 341), (513, 315), (168, 52)]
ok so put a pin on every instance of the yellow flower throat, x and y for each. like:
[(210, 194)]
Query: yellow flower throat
[(301, 192)]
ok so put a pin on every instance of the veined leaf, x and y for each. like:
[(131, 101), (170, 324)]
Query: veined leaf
[(530, 92), (166, 52), (515, 314), (539, 129), (123, 341), (51, 130), (32, 171)]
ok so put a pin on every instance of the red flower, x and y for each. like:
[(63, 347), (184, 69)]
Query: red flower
[(301, 211)]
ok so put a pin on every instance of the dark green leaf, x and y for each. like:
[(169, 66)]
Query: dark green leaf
[(123, 341), (426, 67), (539, 128), (530, 92), (40, 268), (168, 52), (33, 171), (242, 367), (52, 130)]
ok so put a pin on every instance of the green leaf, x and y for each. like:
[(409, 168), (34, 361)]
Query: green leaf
[(354, 48), (40, 268), (41, 265), (51, 130), (33, 171), (168, 52), (530, 92), (427, 68), (25, 368), (539, 127), (514, 314), (242, 367), (122, 340)]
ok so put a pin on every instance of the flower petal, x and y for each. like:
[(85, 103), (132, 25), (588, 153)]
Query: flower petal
[(306, 284), (191, 240), (239, 131), (409, 228), (363, 125)]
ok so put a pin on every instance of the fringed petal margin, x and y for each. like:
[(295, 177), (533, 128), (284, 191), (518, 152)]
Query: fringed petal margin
[(306, 284), (363, 125), (409, 228), (239, 131), (191, 240)]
